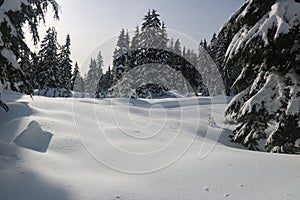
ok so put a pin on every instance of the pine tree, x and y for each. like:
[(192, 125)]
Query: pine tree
[(65, 63), (49, 70), (12, 39)]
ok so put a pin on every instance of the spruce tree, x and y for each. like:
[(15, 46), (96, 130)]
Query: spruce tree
[(94, 74), (163, 37), (122, 45), (77, 80), (65, 63), (49, 70), (177, 47), (151, 30)]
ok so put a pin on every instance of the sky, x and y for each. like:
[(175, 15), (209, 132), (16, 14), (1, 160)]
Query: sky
[(92, 23)]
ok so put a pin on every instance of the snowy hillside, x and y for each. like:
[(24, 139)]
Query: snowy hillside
[(59, 148)]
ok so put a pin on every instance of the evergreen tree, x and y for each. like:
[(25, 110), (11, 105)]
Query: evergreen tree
[(177, 47), (75, 75), (49, 70), (99, 62), (122, 45), (136, 40), (171, 45), (151, 30), (163, 37), (94, 74), (65, 63), (78, 81), (12, 39), (260, 64)]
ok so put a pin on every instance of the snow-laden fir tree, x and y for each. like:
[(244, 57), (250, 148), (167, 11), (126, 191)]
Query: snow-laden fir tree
[(151, 30), (94, 74), (136, 39), (171, 45), (65, 64), (14, 14), (258, 53), (177, 47), (123, 45), (77, 80), (49, 73), (163, 37), (209, 70)]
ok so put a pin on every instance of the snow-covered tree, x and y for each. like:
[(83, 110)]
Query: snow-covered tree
[(94, 74), (65, 64), (136, 40), (14, 14), (261, 65), (49, 73), (151, 30), (122, 44), (171, 45), (163, 37), (177, 47), (77, 80)]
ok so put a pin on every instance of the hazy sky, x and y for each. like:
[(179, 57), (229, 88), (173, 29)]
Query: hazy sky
[(91, 23)]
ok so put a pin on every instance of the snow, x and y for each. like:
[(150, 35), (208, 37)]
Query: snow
[(33, 137), (10, 56), (293, 107), (166, 138), (283, 16), (263, 99)]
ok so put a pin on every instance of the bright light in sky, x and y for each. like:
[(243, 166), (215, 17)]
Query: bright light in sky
[(92, 22)]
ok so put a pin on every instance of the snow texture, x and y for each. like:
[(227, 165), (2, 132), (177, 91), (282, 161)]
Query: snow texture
[(67, 171), (283, 16), (33, 137)]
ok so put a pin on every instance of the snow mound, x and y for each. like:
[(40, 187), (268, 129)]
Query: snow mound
[(34, 138), (283, 16)]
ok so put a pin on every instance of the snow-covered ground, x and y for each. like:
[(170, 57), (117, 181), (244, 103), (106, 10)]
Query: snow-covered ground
[(64, 148)]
